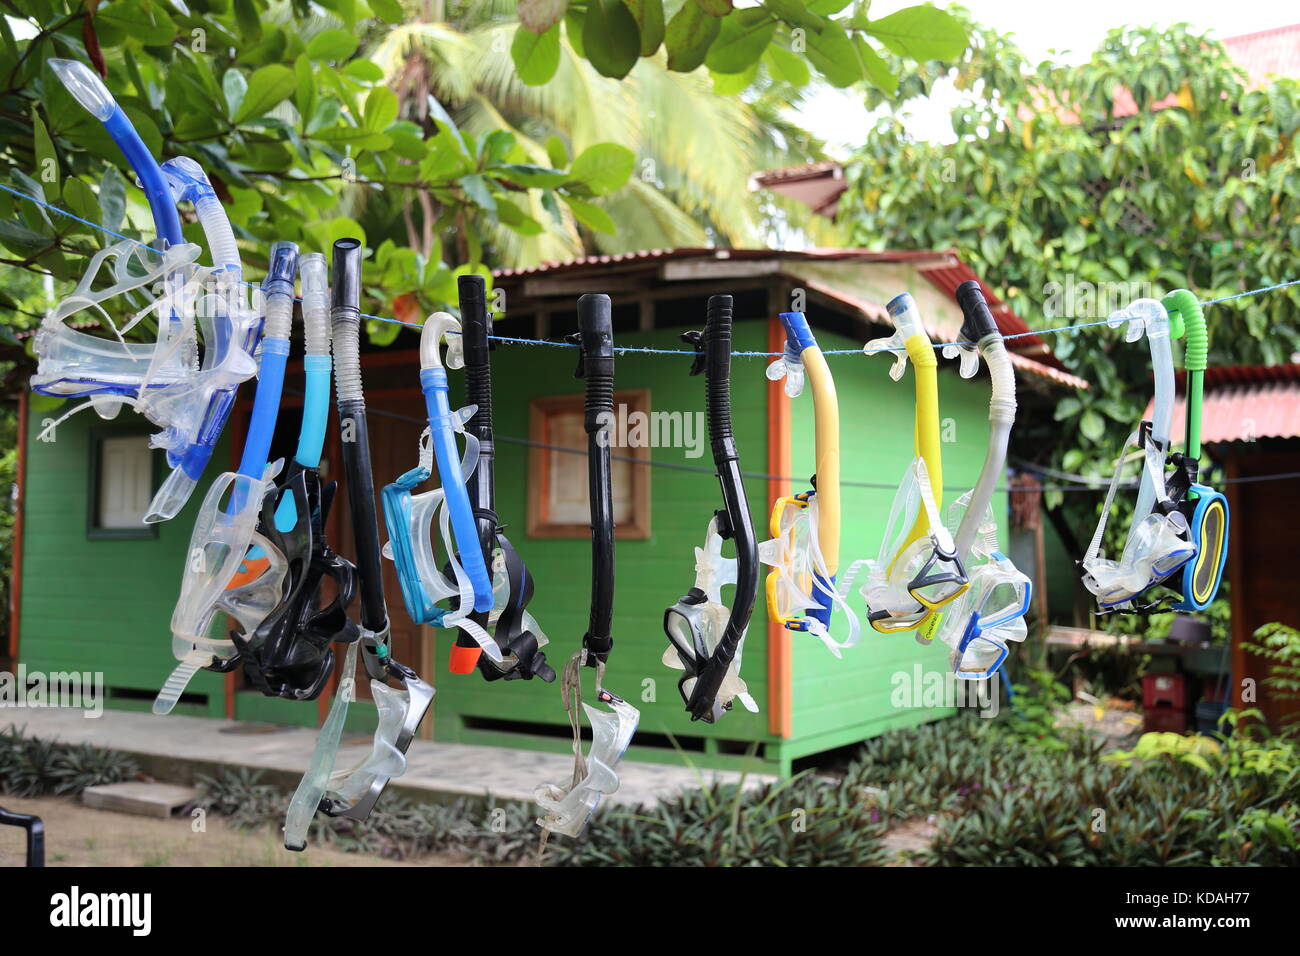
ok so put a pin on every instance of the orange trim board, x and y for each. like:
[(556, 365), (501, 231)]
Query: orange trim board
[(780, 704)]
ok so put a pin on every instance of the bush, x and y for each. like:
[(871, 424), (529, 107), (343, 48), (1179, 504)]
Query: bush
[(32, 767)]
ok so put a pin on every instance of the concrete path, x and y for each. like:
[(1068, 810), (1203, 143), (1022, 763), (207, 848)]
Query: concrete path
[(172, 748)]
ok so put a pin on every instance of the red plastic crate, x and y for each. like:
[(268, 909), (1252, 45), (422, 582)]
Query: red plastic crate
[(1164, 720), (1164, 691)]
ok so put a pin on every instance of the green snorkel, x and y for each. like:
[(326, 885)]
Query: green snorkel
[(1206, 510)]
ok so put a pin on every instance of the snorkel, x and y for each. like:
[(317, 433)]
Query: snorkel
[(707, 663), (227, 519), (912, 577), (353, 793), (567, 809), (1158, 543), (805, 527), (411, 518), (516, 633), (288, 654), (978, 625)]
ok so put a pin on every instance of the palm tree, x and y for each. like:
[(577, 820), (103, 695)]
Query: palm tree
[(696, 150)]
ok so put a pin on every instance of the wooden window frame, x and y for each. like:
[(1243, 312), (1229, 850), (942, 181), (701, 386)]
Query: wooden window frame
[(539, 411), (93, 531)]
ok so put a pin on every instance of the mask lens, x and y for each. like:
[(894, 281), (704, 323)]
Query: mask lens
[(682, 634)]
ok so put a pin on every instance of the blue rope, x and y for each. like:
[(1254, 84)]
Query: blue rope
[(644, 350)]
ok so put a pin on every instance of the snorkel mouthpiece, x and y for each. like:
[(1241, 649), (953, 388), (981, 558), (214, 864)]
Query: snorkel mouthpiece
[(902, 309), (89, 90), (977, 321), (86, 87)]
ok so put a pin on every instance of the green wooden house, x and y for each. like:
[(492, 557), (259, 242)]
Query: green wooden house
[(95, 589)]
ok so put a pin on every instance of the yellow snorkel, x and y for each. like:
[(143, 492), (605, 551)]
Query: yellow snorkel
[(804, 550), (919, 571)]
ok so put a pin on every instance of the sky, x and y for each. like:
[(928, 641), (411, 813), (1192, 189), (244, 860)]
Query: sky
[(1073, 30)]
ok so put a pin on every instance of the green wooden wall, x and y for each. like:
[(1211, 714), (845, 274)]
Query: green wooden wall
[(101, 605)]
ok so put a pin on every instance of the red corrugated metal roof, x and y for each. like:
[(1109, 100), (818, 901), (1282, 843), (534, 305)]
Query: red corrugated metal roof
[(1245, 403)]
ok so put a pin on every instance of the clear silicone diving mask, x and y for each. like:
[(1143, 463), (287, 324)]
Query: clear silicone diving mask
[(567, 809), (411, 520), (991, 613), (907, 582), (696, 623), (226, 527)]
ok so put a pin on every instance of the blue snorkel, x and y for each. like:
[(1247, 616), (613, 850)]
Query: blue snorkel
[(90, 91), (433, 382)]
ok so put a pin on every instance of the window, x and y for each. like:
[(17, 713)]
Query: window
[(122, 472), (558, 502)]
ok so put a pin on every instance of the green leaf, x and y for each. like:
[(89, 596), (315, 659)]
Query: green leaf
[(333, 44), (327, 113), (477, 190), (688, 36), (833, 54), (649, 16), (249, 20), (826, 8), (714, 8), (367, 71), (574, 21), (390, 11), (538, 16), (112, 199), (380, 110), (267, 88), (741, 41), (47, 163), (531, 177), (305, 93), (21, 239), (516, 219), (610, 38), (733, 84), (557, 152), (877, 70), (591, 216), (81, 199), (1092, 426), (603, 168), (536, 56), (234, 86), (920, 33), (786, 66)]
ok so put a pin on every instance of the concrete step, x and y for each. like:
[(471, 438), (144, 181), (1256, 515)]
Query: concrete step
[(139, 797), (176, 748)]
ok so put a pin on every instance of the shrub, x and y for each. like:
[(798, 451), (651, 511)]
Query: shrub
[(32, 767)]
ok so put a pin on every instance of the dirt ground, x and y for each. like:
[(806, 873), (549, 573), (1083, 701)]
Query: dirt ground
[(76, 835)]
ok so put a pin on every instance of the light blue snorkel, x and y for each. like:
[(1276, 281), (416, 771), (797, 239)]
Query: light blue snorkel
[(411, 519), (433, 382)]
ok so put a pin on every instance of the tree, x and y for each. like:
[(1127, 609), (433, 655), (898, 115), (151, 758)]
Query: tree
[(1069, 207)]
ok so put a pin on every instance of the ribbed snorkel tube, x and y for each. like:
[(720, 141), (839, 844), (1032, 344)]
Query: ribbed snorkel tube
[(476, 326), (980, 327), (316, 362), (925, 366), (345, 319), (189, 182), (90, 91), (717, 370), (597, 368), (1190, 318)]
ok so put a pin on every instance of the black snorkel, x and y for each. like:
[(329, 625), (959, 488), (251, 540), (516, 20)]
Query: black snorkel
[(511, 631), (596, 366), (713, 358)]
